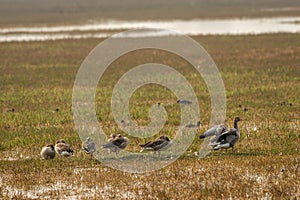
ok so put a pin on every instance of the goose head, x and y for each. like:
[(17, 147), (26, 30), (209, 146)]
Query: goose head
[(51, 146), (60, 141), (164, 138), (237, 119)]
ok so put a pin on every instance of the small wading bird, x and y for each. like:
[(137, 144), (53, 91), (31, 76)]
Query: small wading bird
[(89, 146), (116, 143), (63, 148), (48, 152), (228, 138), (160, 144), (183, 101)]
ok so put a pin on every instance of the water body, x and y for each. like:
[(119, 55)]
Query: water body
[(192, 27)]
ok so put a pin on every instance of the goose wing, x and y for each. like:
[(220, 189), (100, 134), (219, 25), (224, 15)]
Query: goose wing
[(123, 143), (89, 147), (155, 145), (216, 130), (120, 142), (64, 149), (228, 136), (109, 145)]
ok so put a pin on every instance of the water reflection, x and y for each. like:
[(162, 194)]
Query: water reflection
[(190, 27)]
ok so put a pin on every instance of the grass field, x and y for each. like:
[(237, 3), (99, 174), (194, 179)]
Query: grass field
[(261, 75)]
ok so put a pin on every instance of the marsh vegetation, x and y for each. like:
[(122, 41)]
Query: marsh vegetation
[(261, 76)]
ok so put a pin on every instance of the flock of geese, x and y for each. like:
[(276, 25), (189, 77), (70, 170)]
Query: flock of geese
[(221, 138)]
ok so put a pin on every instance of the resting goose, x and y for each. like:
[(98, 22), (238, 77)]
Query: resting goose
[(89, 146), (228, 138), (160, 144), (63, 148), (116, 144), (48, 152)]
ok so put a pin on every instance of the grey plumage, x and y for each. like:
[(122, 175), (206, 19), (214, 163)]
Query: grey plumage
[(89, 146), (160, 144), (116, 144), (214, 131), (228, 138)]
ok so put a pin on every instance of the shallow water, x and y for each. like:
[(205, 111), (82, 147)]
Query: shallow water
[(104, 29)]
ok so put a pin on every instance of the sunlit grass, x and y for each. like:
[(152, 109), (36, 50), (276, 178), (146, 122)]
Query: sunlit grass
[(261, 76)]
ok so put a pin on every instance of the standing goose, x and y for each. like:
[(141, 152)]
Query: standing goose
[(63, 148), (160, 144), (89, 146), (48, 152), (228, 138), (116, 144)]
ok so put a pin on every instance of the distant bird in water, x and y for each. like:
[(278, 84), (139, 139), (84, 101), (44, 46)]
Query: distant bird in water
[(63, 148), (197, 125), (160, 144), (228, 138), (48, 152), (184, 102), (116, 143), (89, 146)]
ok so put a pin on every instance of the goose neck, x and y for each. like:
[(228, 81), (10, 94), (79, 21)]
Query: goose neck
[(235, 124)]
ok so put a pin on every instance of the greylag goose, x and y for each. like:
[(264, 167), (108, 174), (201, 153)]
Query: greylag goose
[(160, 144), (116, 144), (183, 101), (214, 131), (228, 138), (63, 148), (48, 152), (89, 146)]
